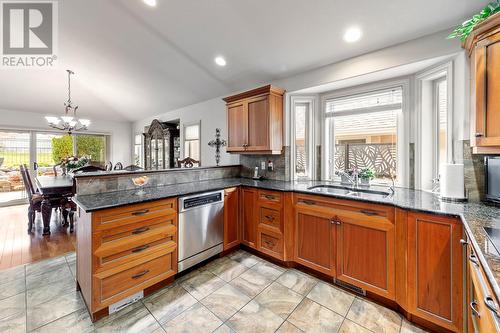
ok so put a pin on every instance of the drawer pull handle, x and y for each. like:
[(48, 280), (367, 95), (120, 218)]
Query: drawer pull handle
[(140, 248), (269, 217), (269, 243), (478, 135), (138, 275), (369, 212), (308, 202), (140, 212), (140, 230), (490, 303), (464, 242), (474, 310), (336, 221), (473, 259), (269, 197)]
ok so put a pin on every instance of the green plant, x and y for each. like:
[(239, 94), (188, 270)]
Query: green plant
[(91, 145), (367, 174), (464, 30), (61, 147)]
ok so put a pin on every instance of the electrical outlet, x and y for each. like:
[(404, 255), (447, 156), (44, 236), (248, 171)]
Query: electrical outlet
[(263, 165)]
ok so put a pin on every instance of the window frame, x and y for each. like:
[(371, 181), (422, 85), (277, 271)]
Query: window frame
[(141, 150), (188, 124), (310, 136), (402, 124)]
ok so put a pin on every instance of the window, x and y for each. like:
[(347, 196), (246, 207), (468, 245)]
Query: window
[(93, 146), (192, 141), (138, 149), (361, 131), (302, 138), (441, 100)]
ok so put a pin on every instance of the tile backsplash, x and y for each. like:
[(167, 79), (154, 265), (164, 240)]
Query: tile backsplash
[(281, 165)]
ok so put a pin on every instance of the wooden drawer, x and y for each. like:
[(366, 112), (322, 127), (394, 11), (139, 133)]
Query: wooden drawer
[(270, 197), (338, 206), (115, 284), (271, 217), (269, 242), (114, 247), (122, 216), (482, 306)]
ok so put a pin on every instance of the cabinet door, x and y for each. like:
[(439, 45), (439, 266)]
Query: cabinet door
[(249, 216), (487, 85), (314, 241), (365, 252), (258, 123), (231, 220), (237, 124), (435, 269)]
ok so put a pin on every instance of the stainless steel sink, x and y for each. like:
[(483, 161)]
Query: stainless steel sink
[(350, 191)]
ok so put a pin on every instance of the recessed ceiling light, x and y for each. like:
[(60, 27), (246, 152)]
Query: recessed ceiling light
[(220, 61), (151, 3), (352, 34)]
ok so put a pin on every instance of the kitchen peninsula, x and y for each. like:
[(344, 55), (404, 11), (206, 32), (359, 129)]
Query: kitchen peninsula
[(128, 243)]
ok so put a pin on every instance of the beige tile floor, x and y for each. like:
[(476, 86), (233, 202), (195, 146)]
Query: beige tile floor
[(238, 293)]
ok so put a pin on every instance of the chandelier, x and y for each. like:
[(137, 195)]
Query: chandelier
[(68, 123)]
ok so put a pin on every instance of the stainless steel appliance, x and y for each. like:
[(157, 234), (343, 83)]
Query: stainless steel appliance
[(492, 173), (201, 227)]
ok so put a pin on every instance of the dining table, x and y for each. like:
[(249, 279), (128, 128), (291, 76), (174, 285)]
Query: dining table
[(51, 188)]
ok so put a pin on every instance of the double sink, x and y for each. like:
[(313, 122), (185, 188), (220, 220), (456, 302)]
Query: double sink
[(351, 191)]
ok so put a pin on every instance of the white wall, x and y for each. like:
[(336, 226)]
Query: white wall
[(212, 115), (120, 132)]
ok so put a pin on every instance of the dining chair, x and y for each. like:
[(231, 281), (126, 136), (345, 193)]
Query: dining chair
[(54, 168), (132, 167), (118, 166), (34, 199), (188, 162)]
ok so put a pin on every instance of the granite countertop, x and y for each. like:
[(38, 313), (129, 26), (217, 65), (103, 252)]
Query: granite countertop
[(475, 216)]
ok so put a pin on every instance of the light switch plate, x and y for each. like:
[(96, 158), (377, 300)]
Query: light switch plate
[(263, 165)]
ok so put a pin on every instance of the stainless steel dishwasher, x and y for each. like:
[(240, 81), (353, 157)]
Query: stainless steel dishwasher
[(201, 227)]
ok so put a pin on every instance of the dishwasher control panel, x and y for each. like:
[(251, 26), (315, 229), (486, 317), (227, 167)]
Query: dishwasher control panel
[(202, 200)]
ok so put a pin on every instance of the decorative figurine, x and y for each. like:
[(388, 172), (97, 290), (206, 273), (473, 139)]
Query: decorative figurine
[(217, 143)]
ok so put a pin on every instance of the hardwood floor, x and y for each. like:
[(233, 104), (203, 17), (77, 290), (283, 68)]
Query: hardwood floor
[(17, 247)]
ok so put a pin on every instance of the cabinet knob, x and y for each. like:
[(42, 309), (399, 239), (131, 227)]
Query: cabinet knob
[(478, 135), (464, 242), (473, 305)]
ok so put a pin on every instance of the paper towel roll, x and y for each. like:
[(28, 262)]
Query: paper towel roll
[(452, 181)]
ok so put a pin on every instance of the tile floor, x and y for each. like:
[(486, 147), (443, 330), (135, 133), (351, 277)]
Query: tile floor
[(237, 293)]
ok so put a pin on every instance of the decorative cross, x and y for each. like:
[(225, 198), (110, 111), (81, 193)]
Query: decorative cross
[(217, 143)]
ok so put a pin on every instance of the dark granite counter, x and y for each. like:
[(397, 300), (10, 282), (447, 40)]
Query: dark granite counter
[(475, 216)]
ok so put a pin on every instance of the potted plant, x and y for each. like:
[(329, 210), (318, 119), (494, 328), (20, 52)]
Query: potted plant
[(464, 30), (366, 175), (72, 162)]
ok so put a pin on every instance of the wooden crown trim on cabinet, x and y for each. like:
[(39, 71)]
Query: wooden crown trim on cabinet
[(269, 89)]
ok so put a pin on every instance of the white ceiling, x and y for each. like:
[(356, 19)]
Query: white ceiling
[(133, 61)]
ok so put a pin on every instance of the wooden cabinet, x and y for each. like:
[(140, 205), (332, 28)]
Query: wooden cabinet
[(255, 121), (231, 218), (483, 46), (435, 269), (365, 249), (315, 235), (248, 217), (270, 223), (121, 251), (483, 310)]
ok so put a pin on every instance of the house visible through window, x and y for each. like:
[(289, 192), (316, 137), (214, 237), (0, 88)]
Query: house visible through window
[(362, 132), (192, 141)]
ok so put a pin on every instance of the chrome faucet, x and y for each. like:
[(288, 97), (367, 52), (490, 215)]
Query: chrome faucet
[(353, 180)]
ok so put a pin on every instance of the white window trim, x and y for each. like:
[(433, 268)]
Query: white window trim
[(312, 101), (403, 124), (183, 135), (141, 155), (432, 74)]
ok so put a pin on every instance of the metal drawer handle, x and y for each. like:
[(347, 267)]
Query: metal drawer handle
[(490, 303), (269, 197), (269, 243), (369, 212), (473, 259), (140, 248), (478, 135), (308, 202), (464, 242), (140, 212), (140, 230), (138, 275), (474, 310), (269, 217)]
